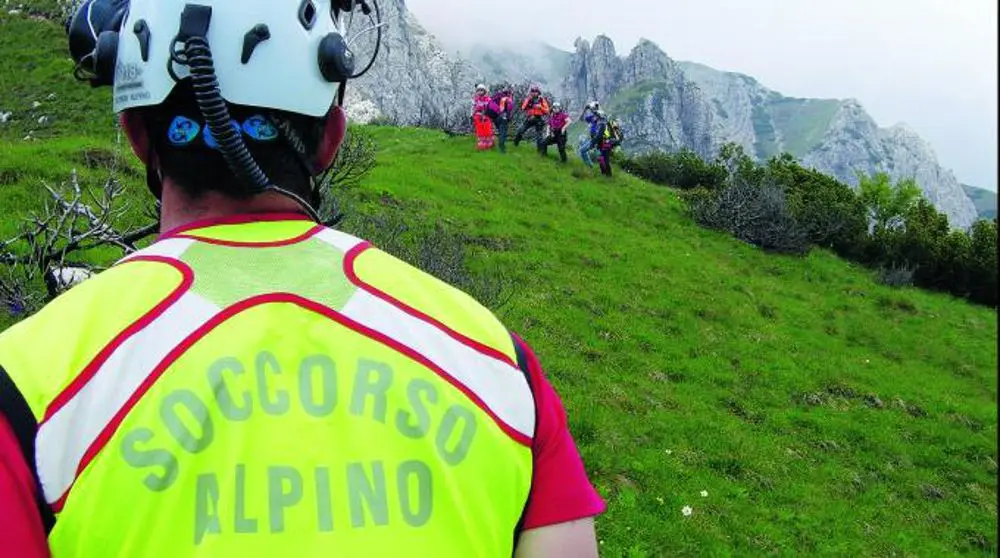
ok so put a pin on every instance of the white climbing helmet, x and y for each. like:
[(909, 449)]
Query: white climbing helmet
[(481, 87), (288, 55), (593, 105), (557, 107)]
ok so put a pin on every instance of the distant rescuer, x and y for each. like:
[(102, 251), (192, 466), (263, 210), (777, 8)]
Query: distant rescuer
[(535, 108), (254, 383)]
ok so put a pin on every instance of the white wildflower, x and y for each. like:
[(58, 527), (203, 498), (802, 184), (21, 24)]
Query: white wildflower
[(704, 494), (687, 511)]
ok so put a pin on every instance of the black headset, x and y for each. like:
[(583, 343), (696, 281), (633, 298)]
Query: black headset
[(93, 39), (95, 25)]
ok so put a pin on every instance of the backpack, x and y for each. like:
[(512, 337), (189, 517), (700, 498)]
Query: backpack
[(613, 132), (503, 100)]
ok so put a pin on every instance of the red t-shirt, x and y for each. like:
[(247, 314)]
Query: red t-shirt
[(560, 489)]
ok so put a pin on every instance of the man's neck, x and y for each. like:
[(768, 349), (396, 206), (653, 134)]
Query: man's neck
[(178, 209)]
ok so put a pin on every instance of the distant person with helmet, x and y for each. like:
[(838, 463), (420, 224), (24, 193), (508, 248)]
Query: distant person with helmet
[(254, 383), (589, 109), (603, 140), (584, 145), (535, 108), (559, 121), (504, 99), (484, 110)]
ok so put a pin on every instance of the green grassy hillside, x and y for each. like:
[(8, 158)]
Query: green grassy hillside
[(802, 122), (795, 405), (820, 411), (985, 200)]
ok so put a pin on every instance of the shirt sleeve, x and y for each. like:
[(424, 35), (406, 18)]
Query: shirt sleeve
[(23, 533), (560, 489)]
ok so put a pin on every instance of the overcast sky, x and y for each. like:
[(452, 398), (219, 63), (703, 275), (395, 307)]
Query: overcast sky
[(929, 63)]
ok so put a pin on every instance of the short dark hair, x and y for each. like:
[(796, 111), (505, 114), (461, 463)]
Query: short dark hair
[(197, 168)]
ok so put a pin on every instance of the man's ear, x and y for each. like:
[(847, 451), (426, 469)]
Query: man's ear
[(135, 130), (333, 136)]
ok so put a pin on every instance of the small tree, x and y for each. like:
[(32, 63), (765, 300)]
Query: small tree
[(887, 204), (738, 164)]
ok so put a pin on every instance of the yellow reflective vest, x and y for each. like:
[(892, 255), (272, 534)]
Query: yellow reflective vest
[(274, 387)]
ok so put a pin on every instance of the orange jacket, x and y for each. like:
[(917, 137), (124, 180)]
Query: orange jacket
[(539, 108)]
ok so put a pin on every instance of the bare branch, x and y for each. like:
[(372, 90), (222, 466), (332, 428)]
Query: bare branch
[(74, 219)]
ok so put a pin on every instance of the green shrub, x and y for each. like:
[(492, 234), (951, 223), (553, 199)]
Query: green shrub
[(754, 213), (831, 213), (983, 282), (684, 169), (782, 206), (942, 259)]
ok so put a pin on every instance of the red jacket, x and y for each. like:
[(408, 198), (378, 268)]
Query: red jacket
[(535, 106)]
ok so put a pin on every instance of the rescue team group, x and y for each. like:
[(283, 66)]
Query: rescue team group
[(491, 115)]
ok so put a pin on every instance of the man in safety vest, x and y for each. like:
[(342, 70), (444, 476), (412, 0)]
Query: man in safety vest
[(253, 383), (535, 108)]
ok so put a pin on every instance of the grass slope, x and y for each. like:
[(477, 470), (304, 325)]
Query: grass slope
[(821, 412), (802, 122), (985, 200), (36, 82)]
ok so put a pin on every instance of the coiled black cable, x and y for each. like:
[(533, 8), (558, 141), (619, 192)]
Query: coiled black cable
[(213, 108)]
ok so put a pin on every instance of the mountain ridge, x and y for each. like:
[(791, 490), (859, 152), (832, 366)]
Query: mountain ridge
[(664, 104)]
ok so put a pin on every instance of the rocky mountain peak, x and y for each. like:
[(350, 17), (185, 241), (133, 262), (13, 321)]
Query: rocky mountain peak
[(603, 47), (414, 81), (854, 143), (647, 62)]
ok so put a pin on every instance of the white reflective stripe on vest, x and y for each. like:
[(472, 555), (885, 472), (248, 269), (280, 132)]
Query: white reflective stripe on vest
[(339, 240), (63, 440), (501, 387), (167, 248)]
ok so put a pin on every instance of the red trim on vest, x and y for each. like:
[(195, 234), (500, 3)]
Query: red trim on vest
[(88, 372), (112, 427), (353, 254), (240, 219), (263, 244)]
